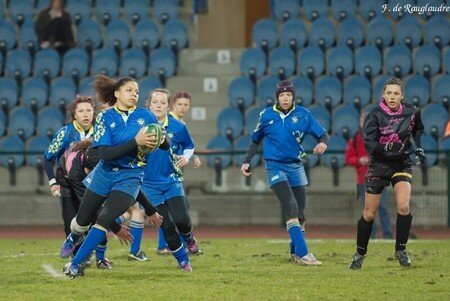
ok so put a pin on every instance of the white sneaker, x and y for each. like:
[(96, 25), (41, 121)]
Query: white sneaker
[(308, 259)]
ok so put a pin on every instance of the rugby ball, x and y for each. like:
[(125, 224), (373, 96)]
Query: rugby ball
[(152, 128)]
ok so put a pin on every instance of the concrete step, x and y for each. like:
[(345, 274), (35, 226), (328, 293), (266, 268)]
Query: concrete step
[(205, 62), (195, 83)]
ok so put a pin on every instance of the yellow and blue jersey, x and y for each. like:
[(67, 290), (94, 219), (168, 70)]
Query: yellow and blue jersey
[(113, 127), (284, 133)]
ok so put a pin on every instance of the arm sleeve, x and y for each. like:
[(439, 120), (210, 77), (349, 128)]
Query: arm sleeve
[(418, 130), (112, 152), (145, 202), (324, 138), (252, 150), (351, 155), (370, 135), (115, 227), (48, 167)]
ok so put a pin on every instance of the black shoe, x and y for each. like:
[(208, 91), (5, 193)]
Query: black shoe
[(403, 259), (357, 261)]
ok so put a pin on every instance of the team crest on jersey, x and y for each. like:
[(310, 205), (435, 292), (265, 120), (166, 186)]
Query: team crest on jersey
[(170, 135), (141, 121), (295, 119), (271, 122), (113, 125)]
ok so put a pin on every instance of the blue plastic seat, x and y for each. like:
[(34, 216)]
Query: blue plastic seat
[(242, 144), (34, 93), (12, 144), (431, 147), (164, 11), (42, 4), (311, 62), (377, 86), (146, 85), (322, 115), (2, 123), (266, 90), (107, 10), (79, 10), (445, 145), (370, 9), (434, 118), (441, 89), (314, 9), (351, 32), (133, 63), (322, 33), (8, 92), (21, 11), (446, 60), (89, 34), (398, 60), (18, 63), (251, 119), (76, 63), (104, 61), (368, 61), (35, 147), (7, 35), (342, 9), (286, 9), (162, 63), (380, 32), (430, 3), (27, 36), (427, 60), (219, 143), (265, 34), (253, 63), (294, 34), (408, 31), (438, 30), (49, 120), (21, 122), (417, 90), (340, 61), (47, 63), (308, 144), (117, 34), (62, 91), (336, 144), (345, 121), (304, 90), (230, 123), (86, 86), (396, 15), (146, 35), (328, 91), (357, 90), (174, 34), (241, 92), (135, 10), (282, 62)]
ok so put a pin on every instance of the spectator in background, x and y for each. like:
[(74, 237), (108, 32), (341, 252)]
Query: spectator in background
[(356, 156), (447, 129), (53, 27)]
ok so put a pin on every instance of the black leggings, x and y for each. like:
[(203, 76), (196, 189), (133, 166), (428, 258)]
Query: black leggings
[(70, 204), (292, 199)]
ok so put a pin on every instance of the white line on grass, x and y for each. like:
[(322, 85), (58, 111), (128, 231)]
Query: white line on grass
[(54, 273), (284, 241), (29, 254)]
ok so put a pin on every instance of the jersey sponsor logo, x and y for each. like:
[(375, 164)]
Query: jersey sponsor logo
[(140, 121)]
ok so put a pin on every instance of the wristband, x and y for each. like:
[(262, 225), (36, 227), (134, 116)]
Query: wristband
[(52, 182)]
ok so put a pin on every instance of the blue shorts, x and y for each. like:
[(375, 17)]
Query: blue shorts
[(104, 179), (294, 173), (161, 192)]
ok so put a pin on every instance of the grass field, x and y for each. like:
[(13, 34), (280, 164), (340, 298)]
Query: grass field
[(230, 269)]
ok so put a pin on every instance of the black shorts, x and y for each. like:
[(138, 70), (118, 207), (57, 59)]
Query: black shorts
[(381, 174)]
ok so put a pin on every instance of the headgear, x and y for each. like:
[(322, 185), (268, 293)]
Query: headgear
[(285, 86)]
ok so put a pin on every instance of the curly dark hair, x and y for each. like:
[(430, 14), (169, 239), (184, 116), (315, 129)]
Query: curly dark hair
[(76, 101), (105, 87)]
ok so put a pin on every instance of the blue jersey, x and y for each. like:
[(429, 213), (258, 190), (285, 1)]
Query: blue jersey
[(64, 138), (284, 133), (114, 127), (161, 164)]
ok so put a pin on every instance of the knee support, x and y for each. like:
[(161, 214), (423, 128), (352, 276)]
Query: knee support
[(76, 228)]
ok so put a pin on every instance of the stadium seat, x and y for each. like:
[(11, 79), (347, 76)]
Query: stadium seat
[(328, 91), (314, 9), (219, 143), (12, 144), (104, 61), (293, 34), (369, 9), (282, 62), (266, 90), (445, 145), (322, 115), (146, 35), (174, 35), (241, 93), (322, 33), (135, 10), (397, 60), (27, 37), (133, 63), (79, 10), (340, 61), (34, 93), (230, 123), (49, 120), (396, 15), (308, 144), (368, 61), (76, 63), (342, 9), (351, 32), (35, 147), (253, 63), (62, 91), (286, 9), (164, 11), (2, 123), (146, 85), (117, 35), (242, 144), (89, 35), (335, 151), (438, 30), (9, 93), (86, 86), (2, 11), (21, 122), (265, 35), (357, 91), (431, 147), (304, 90), (251, 119), (47, 63), (427, 60), (162, 63), (408, 31), (21, 11), (379, 32), (434, 118), (345, 121), (7, 36), (430, 3), (446, 60), (107, 10), (417, 90), (311, 62), (441, 89), (18, 63)]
